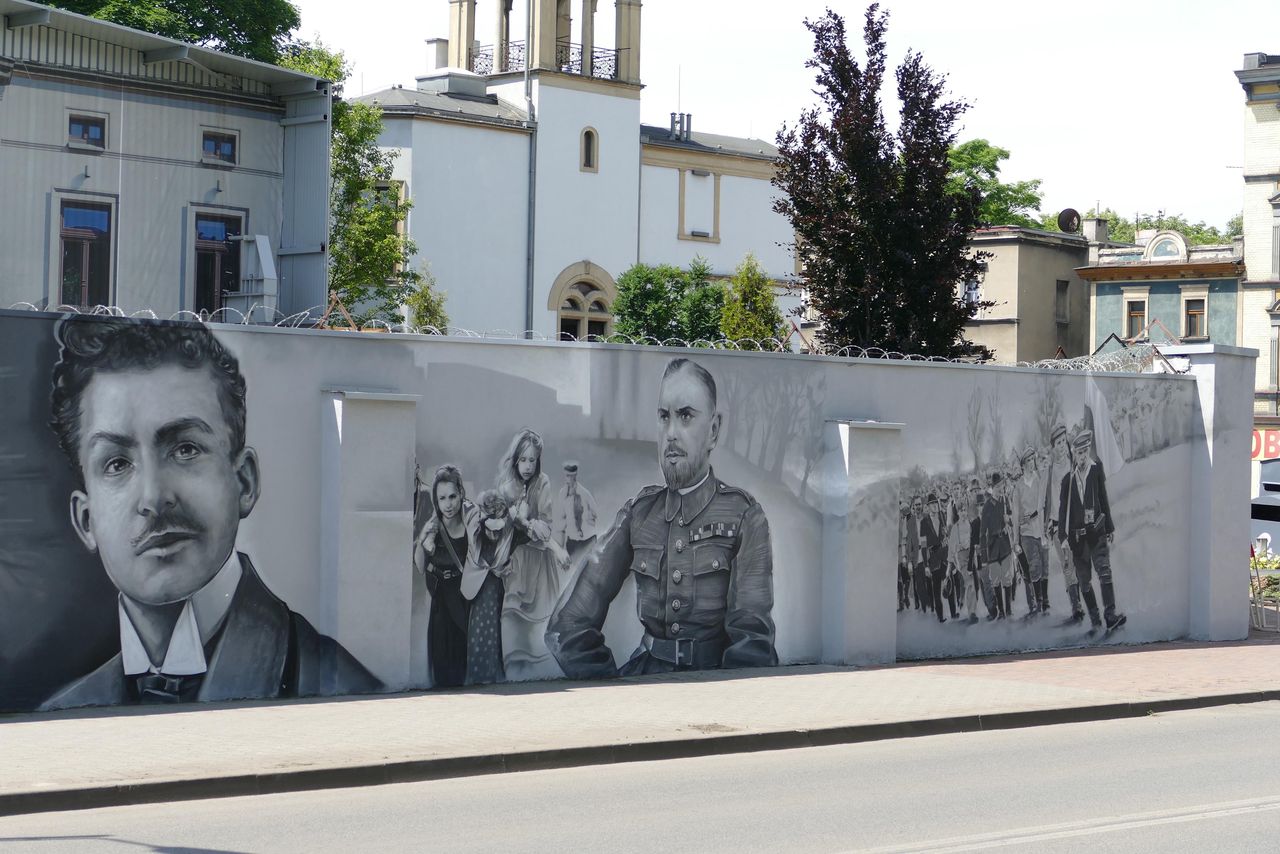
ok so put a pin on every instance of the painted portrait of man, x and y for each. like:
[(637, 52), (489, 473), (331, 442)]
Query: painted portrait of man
[(152, 418), (699, 550)]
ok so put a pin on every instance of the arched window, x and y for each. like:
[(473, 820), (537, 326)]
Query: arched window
[(589, 160), (581, 298), (1166, 246)]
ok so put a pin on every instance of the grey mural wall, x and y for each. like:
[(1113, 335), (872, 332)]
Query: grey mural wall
[(192, 513)]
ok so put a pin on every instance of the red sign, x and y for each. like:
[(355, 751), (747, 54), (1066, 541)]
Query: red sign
[(1266, 444)]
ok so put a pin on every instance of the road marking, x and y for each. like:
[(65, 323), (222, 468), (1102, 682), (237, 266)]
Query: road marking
[(1088, 827)]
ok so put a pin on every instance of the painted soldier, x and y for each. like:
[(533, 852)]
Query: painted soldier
[(1059, 469), (1084, 522), (933, 534), (698, 548), (1029, 508)]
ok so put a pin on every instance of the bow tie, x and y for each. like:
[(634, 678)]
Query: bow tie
[(159, 688)]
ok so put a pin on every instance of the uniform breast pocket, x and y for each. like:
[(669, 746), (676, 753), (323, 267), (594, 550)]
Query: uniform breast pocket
[(712, 563), (646, 565)]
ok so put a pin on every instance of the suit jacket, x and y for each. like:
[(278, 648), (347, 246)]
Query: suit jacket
[(262, 651), (993, 534), (932, 537), (1073, 506)]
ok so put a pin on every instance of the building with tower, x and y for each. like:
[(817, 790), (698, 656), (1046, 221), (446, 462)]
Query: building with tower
[(535, 184)]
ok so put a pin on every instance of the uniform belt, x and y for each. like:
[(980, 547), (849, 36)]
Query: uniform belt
[(684, 652)]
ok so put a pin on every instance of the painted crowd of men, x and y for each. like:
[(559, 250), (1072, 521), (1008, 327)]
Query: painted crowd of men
[(978, 537)]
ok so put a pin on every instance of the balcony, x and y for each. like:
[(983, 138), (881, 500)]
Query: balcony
[(570, 59)]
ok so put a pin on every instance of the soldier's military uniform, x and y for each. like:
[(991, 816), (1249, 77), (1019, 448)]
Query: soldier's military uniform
[(703, 567)]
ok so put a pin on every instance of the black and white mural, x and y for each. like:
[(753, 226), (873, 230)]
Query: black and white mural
[(208, 513)]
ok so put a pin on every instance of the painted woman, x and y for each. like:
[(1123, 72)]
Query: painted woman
[(536, 566), (440, 553)]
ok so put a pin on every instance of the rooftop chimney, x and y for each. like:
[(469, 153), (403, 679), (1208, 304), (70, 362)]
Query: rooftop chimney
[(437, 54)]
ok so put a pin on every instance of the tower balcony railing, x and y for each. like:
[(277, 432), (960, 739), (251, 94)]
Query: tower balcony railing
[(570, 58)]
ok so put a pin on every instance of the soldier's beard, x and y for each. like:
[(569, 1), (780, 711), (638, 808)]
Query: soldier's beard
[(681, 472)]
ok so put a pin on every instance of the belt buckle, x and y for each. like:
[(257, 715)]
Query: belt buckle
[(687, 656)]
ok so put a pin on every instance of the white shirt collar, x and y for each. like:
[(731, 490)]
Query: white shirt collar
[(689, 489), (201, 616)]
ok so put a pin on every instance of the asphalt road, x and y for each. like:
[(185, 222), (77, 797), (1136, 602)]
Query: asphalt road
[(1201, 781)]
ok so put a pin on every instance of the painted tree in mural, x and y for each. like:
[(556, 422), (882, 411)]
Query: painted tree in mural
[(259, 29), (370, 258), (881, 234), (665, 302), (750, 309)]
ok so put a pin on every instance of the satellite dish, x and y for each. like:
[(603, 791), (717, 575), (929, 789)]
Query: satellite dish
[(1069, 220)]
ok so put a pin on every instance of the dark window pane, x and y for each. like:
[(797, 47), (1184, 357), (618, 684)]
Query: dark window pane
[(206, 280), (99, 272), (568, 329), (72, 271), (596, 327)]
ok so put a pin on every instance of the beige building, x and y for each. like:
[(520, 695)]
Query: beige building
[(1041, 305), (1260, 288)]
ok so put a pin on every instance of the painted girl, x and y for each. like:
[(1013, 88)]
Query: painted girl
[(536, 566), (440, 553)]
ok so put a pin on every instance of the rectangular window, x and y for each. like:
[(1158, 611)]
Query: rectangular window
[(219, 145), (1193, 319), (217, 260), (1135, 317), (87, 130), (86, 254), (1061, 306)]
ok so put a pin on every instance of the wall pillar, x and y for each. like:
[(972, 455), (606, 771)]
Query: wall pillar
[(462, 32), (502, 37), (1219, 513), (588, 36), (627, 39), (860, 475), (366, 532), (542, 52)]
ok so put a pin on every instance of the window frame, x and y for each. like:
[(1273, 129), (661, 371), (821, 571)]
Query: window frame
[(589, 150), (220, 249), (1190, 295), (88, 116), (215, 160), (1129, 314), (86, 239)]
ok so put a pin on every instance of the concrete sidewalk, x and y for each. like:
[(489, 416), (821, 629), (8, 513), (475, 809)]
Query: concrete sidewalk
[(102, 757)]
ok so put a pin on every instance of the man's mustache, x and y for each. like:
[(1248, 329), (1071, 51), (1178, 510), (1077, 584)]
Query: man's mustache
[(174, 521)]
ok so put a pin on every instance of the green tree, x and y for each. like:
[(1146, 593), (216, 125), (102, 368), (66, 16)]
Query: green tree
[(750, 308), (370, 260), (665, 302), (976, 163), (1121, 229), (882, 235), (258, 29), (424, 305)]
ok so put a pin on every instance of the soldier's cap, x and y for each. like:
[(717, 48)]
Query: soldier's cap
[(1058, 430), (1028, 454), (571, 467), (933, 498), (996, 477), (1083, 439)]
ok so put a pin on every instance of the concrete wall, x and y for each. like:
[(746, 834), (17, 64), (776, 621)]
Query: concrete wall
[(824, 449)]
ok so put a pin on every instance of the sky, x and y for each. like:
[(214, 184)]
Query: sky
[(1132, 104)]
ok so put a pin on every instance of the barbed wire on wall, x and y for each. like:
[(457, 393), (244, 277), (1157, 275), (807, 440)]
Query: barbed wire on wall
[(1132, 358)]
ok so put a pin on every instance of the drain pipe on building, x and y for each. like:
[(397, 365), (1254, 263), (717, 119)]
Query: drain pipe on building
[(532, 124)]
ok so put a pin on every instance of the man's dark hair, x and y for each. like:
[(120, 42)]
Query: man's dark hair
[(702, 374), (92, 344)]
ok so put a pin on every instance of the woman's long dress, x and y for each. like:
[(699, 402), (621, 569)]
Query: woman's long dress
[(531, 592), (448, 617)]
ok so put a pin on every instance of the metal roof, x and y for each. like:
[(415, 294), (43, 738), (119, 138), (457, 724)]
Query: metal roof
[(127, 37), (712, 143), (488, 109)]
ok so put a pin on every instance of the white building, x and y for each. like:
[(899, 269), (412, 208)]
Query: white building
[(534, 191), (1260, 79), (145, 173)]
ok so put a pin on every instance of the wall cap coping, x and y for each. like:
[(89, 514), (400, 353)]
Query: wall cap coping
[(1207, 349)]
